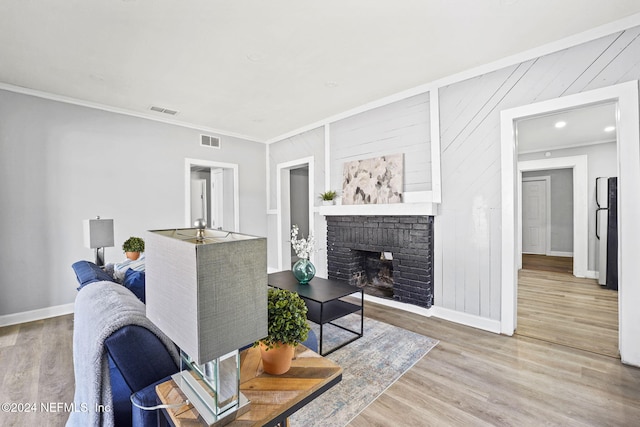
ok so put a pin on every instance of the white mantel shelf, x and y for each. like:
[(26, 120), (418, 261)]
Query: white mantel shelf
[(422, 208)]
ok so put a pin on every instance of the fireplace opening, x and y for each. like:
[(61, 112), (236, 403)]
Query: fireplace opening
[(376, 274)]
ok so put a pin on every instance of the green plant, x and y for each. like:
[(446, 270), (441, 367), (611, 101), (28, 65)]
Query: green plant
[(287, 314), (328, 195), (133, 244)]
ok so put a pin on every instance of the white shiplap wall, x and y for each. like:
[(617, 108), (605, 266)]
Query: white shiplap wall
[(468, 230), (400, 127)]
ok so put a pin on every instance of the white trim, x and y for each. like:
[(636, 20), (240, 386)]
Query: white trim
[(628, 111), (33, 315), (434, 121), (423, 208), (292, 164), (268, 177), (97, 106), (411, 308), (579, 164), (188, 162), (591, 274), (327, 157), (466, 319), (564, 254)]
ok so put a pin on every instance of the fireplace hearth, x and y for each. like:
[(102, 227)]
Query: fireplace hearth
[(390, 256)]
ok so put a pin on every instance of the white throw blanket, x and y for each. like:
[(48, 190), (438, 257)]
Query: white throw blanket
[(101, 308)]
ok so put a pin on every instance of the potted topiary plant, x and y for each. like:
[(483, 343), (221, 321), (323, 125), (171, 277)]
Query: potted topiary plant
[(287, 327), (328, 197), (132, 247)]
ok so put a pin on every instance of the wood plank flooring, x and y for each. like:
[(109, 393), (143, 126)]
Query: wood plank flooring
[(36, 368), (557, 307), (471, 378), (477, 378)]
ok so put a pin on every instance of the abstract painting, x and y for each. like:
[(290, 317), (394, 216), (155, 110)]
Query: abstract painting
[(373, 181)]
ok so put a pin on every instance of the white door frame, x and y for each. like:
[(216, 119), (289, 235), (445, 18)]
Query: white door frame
[(580, 206), (547, 225), (628, 126), (281, 206), (210, 164)]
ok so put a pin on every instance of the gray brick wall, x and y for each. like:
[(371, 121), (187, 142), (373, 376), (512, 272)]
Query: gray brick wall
[(409, 238)]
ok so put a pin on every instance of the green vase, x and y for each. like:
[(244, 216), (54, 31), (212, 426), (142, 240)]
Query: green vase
[(303, 270)]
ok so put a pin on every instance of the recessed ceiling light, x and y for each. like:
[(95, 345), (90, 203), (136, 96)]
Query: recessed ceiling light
[(560, 124), (331, 83), (609, 128)]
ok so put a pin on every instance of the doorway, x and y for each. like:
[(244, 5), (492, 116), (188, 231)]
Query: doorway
[(211, 194), (294, 205), (625, 96)]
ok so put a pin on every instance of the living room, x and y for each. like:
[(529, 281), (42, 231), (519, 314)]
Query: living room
[(66, 159)]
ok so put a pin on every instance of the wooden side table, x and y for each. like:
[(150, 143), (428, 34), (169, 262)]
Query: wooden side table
[(273, 397)]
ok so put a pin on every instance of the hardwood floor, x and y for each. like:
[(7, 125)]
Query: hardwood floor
[(36, 368), (566, 310), (477, 378), (471, 378)]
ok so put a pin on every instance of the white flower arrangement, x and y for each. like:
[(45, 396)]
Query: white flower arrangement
[(302, 247)]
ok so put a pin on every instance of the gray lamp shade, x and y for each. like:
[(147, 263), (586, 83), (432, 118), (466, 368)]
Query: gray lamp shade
[(209, 297), (98, 233)]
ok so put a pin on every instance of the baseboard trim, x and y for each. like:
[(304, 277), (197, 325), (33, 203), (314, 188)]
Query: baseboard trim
[(441, 313), (558, 253), (591, 274), (399, 305), (466, 319), (33, 315)]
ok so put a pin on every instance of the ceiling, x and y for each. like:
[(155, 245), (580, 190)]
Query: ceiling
[(260, 69), (582, 126)]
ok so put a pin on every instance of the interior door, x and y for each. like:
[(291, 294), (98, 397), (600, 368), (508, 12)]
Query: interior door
[(198, 199), (534, 217)]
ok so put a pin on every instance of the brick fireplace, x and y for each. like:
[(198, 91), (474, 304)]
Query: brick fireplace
[(407, 240)]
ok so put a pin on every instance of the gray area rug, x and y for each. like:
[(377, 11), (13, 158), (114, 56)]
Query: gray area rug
[(370, 365)]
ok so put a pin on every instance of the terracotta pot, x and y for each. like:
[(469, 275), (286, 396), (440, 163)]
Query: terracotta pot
[(277, 361), (132, 255)]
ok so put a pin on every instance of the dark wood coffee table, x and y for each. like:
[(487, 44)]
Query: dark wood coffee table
[(325, 301)]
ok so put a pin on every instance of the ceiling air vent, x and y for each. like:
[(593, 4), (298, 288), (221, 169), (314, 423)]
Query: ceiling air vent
[(210, 141), (163, 110)]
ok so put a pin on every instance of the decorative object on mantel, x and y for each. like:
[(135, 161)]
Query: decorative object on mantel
[(132, 247), (373, 181), (328, 197), (287, 324), (303, 270)]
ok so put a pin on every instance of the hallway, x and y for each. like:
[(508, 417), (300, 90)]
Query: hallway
[(556, 307)]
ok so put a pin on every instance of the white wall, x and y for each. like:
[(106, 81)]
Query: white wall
[(468, 278), (62, 163), (400, 127)]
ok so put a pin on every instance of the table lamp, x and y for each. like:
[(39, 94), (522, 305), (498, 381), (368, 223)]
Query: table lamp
[(98, 234), (207, 291)]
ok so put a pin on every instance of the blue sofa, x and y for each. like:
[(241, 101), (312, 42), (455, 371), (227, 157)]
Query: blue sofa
[(138, 359)]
